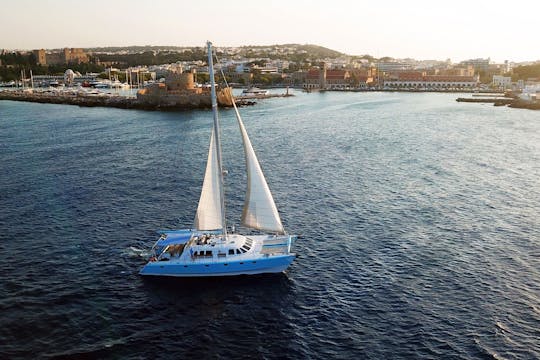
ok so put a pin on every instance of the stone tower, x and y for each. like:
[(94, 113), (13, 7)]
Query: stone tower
[(322, 76)]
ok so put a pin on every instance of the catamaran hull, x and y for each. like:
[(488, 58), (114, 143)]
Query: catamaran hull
[(274, 264)]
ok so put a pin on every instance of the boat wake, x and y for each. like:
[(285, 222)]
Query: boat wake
[(135, 252)]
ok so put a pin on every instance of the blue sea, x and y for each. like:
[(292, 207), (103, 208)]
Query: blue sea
[(419, 216)]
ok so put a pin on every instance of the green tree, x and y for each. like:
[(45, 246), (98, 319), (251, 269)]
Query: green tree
[(526, 71)]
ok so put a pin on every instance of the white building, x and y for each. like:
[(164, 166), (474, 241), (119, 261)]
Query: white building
[(502, 82), (432, 82)]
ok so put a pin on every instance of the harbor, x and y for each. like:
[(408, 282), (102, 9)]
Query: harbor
[(177, 91), (116, 100)]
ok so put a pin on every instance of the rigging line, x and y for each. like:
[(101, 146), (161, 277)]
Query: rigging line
[(226, 83)]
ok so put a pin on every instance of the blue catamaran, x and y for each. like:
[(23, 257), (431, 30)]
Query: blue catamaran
[(210, 249)]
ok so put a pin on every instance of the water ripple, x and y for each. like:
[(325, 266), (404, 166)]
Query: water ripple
[(419, 218)]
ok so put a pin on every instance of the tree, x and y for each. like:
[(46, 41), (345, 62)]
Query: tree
[(526, 71)]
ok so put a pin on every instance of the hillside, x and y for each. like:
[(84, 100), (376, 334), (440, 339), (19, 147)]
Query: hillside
[(272, 51)]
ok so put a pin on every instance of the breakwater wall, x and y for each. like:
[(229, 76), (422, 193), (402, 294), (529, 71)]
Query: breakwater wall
[(510, 102), (486, 100), (201, 101)]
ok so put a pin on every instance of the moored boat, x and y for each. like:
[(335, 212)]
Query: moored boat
[(254, 91)]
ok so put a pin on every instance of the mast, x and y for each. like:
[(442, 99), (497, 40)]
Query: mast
[(217, 135)]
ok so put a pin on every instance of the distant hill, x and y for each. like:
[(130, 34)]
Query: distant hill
[(312, 51), (271, 51)]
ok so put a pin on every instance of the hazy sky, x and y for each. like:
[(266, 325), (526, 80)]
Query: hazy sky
[(456, 29)]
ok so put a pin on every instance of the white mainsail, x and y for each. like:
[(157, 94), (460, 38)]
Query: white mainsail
[(209, 216), (260, 211)]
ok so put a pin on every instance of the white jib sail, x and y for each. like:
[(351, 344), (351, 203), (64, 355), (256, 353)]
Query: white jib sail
[(260, 211), (209, 215)]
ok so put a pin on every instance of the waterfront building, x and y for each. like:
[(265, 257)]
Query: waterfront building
[(325, 79), (337, 79), (312, 80), (431, 82), (502, 82)]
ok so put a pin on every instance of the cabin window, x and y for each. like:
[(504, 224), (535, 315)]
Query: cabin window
[(238, 251), (243, 250), (231, 251), (208, 253)]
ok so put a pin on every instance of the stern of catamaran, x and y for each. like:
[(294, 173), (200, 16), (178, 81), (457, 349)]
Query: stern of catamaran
[(185, 237)]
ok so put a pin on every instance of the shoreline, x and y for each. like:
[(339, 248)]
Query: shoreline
[(125, 102)]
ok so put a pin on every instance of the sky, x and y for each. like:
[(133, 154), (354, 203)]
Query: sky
[(420, 29)]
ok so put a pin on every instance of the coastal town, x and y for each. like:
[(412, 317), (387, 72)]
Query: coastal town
[(178, 76)]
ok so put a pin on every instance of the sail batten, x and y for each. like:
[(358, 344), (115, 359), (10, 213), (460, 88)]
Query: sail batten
[(260, 211)]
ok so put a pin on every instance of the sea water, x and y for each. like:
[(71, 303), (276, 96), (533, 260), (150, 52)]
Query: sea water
[(419, 216)]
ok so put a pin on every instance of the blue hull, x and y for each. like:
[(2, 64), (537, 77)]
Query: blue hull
[(274, 264)]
